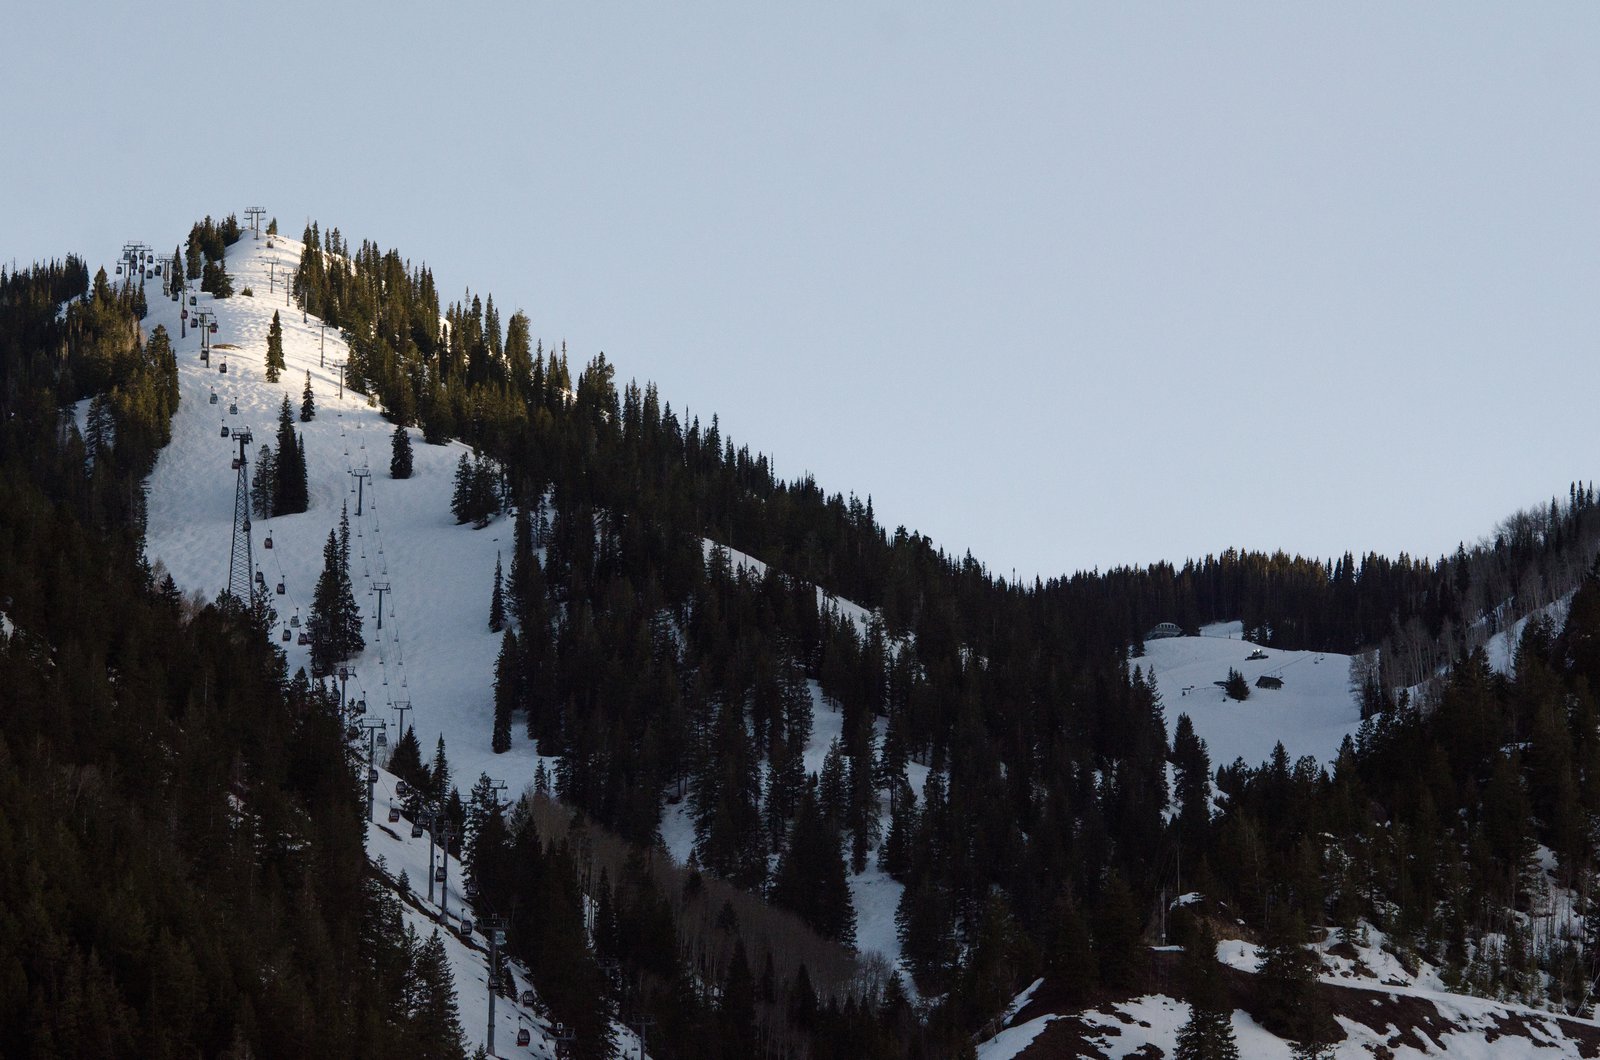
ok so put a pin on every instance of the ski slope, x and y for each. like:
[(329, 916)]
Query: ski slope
[(1311, 714), (435, 651)]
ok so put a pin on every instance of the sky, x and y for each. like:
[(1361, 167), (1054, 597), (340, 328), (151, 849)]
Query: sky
[(1069, 286)]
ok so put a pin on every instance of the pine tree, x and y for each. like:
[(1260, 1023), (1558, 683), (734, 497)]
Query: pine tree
[(497, 601), (434, 1026), (400, 457), (441, 770), (275, 350), (811, 878), (308, 402), (264, 483), (1208, 1033), (335, 621), (507, 691)]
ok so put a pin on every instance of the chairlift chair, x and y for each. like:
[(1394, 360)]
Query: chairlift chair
[(394, 815)]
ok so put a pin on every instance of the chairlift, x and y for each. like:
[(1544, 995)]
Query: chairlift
[(282, 589), (394, 815)]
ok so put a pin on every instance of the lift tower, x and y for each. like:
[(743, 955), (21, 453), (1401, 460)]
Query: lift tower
[(241, 560)]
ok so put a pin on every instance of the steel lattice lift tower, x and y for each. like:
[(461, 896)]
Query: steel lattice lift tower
[(241, 560)]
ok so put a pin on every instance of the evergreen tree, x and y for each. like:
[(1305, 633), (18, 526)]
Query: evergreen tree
[(335, 621), (400, 456), (264, 483), (507, 691), (308, 402), (1208, 1033), (811, 877), (434, 1025), (497, 602), (275, 363)]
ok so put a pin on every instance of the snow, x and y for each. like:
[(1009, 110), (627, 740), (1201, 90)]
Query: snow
[(1502, 647), (1013, 1040), (435, 649), (1311, 714)]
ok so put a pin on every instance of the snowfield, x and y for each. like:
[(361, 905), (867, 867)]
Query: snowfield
[(435, 651), (1311, 714)]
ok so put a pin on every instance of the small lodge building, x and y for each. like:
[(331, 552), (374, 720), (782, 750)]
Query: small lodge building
[(1163, 630), (1264, 681)]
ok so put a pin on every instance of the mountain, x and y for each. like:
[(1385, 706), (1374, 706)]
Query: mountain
[(740, 765)]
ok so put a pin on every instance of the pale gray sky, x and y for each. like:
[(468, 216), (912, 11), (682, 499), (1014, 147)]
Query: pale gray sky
[(1071, 285)]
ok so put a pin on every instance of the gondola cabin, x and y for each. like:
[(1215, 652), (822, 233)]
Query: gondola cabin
[(416, 829), (438, 874), (527, 998), (394, 815), (287, 636), (523, 1037), (282, 588), (267, 544)]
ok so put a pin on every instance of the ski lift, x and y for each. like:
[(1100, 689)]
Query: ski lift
[(158, 270), (438, 874), (268, 542), (352, 733), (372, 774), (119, 270), (213, 327), (295, 621), (236, 464), (361, 706), (287, 636), (416, 829), (523, 1037), (192, 300), (394, 815), (472, 890), (183, 314), (401, 788), (305, 638), (225, 431), (223, 368), (383, 739), (528, 999), (233, 408), (261, 580), (466, 928), (282, 589), (213, 397)]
